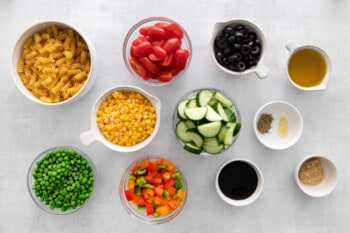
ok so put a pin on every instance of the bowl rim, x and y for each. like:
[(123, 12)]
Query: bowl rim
[(30, 179), (94, 134), (307, 189), (127, 42), (253, 26), (136, 214), (254, 196), (193, 92), (17, 49), (299, 132)]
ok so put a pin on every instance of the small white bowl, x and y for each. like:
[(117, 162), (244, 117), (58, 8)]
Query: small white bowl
[(279, 109), (328, 183), (260, 69), (256, 193), (17, 51), (94, 134)]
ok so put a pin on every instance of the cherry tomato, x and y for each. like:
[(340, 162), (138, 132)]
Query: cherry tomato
[(149, 65), (143, 49), (164, 76), (144, 30), (139, 40), (168, 60), (153, 57), (175, 31), (180, 59), (159, 51), (172, 45), (156, 32), (137, 67)]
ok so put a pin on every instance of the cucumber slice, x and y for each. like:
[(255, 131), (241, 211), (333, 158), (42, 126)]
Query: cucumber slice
[(203, 97), (226, 133), (192, 103), (237, 129), (209, 129), (213, 149), (195, 137), (223, 100), (190, 124), (212, 115), (190, 147), (181, 131), (212, 141), (220, 110), (230, 114), (196, 113), (212, 102), (181, 109)]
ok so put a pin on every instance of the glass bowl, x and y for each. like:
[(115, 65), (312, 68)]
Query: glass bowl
[(95, 134), (51, 173), (133, 208), (41, 88), (222, 115), (134, 33)]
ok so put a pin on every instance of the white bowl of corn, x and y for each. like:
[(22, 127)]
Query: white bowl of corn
[(124, 119)]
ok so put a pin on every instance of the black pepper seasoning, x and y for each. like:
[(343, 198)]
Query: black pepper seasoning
[(264, 123)]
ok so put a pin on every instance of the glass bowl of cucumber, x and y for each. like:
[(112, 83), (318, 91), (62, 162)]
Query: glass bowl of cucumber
[(206, 121)]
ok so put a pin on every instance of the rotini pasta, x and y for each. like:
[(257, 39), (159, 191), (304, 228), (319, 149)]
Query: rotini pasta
[(54, 64)]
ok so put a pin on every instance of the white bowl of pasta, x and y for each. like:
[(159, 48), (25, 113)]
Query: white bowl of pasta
[(53, 63)]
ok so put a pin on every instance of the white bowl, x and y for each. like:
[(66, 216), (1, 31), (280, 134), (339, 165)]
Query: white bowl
[(295, 125), (327, 184), (260, 69), (94, 134), (255, 193), (18, 50)]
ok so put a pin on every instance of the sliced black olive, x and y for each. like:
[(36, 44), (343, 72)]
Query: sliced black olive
[(231, 40), (219, 55), (221, 42), (245, 49), (227, 52), (240, 27), (234, 58), (241, 66), (228, 30), (245, 34), (239, 35), (238, 56), (255, 49)]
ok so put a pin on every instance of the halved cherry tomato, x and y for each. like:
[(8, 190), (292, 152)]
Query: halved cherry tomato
[(158, 42), (137, 67), (159, 51), (156, 32), (153, 57), (143, 49), (149, 65), (168, 60), (163, 25), (165, 76), (148, 76), (180, 59), (171, 45), (175, 31), (129, 194)]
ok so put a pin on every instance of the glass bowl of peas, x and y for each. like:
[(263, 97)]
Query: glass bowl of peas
[(61, 180), (153, 190), (124, 119)]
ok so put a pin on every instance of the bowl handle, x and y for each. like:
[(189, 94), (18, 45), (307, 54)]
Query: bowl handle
[(88, 137), (262, 71)]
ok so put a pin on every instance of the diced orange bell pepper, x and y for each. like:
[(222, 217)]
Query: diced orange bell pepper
[(159, 191), (163, 210), (181, 194), (172, 190), (131, 184), (157, 200), (144, 164)]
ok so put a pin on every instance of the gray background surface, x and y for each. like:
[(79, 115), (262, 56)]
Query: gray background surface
[(28, 128)]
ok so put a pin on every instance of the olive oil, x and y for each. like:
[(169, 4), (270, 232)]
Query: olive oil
[(307, 68)]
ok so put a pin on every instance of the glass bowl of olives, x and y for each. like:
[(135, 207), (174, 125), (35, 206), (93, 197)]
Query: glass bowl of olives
[(238, 47)]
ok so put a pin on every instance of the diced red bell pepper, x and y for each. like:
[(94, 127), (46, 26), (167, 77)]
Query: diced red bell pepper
[(152, 167), (129, 194), (149, 209), (170, 182)]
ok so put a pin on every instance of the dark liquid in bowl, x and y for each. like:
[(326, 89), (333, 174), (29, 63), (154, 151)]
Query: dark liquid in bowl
[(238, 180)]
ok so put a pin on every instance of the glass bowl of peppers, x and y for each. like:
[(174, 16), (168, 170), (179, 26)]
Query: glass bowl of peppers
[(61, 180), (157, 51), (153, 190)]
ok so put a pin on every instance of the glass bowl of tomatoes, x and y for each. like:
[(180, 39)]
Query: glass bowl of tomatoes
[(153, 190), (157, 51)]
